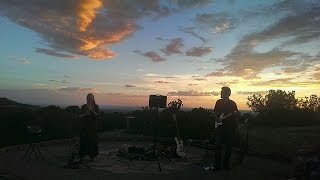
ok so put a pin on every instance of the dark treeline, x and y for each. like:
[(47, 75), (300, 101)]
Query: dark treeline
[(276, 108), (281, 108), (55, 122)]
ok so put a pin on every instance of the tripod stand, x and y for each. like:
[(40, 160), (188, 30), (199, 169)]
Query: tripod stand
[(156, 153), (34, 136), (34, 146)]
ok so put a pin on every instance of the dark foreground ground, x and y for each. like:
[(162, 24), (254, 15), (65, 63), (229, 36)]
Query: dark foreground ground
[(109, 166)]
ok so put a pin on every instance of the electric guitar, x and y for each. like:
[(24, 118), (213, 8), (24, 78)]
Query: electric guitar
[(218, 121), (179, 143)]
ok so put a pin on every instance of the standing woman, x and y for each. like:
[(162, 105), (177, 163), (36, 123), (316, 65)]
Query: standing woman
[(88, 134)]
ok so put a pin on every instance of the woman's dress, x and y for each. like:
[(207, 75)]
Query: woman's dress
[(88, 134)]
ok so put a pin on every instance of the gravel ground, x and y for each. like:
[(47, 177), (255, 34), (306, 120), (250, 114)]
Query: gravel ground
[(109, 166)]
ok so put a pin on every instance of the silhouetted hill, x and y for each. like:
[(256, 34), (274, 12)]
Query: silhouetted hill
[(8, 103)]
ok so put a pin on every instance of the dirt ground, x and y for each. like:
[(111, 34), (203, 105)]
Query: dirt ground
[(110, 166)]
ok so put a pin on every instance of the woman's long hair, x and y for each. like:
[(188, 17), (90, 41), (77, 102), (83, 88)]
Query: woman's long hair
[(93, 101)]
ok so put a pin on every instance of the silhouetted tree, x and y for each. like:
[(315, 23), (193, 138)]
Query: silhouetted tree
[(73, 109), (282, 108), (310, 104), (257, 103), (275, 100), (52, 109), (174, 106), (280, 100), (148, 109)]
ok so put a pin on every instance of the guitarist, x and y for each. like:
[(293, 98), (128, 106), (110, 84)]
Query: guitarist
[(226, 132)]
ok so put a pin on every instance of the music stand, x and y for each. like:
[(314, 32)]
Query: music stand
[(156, 101), (34, 133)]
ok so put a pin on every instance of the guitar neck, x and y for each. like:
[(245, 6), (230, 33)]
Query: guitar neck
[(175, 119), (226, 116)]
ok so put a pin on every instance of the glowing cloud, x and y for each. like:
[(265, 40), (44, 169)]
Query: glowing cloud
[(87, 12)]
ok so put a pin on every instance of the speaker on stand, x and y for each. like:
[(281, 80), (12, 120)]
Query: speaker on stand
[(155, 101)]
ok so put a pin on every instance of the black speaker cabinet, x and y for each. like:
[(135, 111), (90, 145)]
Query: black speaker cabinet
[(158, 101)]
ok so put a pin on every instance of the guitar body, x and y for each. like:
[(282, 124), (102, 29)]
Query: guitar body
[(179, 150), (218, 122)]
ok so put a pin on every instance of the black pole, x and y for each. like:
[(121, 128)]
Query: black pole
[(154, 148), (155, 132)]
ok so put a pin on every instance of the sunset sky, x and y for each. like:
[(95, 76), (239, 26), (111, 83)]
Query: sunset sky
[(57, 51)]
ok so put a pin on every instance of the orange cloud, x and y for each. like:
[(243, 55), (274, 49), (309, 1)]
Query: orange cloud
[(91, 43), (101, 54), (87, 12)]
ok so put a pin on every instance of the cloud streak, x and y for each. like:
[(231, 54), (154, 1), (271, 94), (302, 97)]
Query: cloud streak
[(215, 22), (173, 47), (192, 93), (25, 61), (162, 82), (200, 79), (153, 56), (285, 82), (77, 90), (54, 53), (58, 81), (162, 76), (191, 31), (199, 51), (129, 86), (252, 92)]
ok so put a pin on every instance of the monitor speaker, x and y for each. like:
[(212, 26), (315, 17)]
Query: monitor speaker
[(158, 101)]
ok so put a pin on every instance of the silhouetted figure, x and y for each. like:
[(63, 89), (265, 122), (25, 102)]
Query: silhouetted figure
[(88, 134), (227, 111)]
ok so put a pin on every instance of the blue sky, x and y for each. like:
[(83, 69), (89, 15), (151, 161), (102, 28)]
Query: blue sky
[(55, 52)]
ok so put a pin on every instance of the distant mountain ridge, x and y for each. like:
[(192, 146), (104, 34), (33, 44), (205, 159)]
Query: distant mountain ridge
[(6, 103)]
